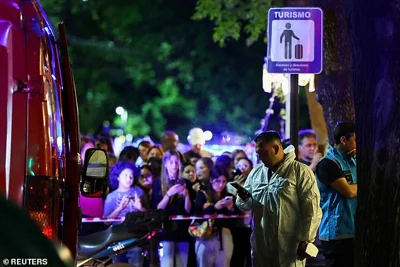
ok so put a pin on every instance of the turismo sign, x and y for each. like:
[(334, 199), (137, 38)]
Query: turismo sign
[(295, 40)]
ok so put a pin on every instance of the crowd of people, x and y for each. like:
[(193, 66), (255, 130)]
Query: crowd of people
[(286, 200), (192, 183)]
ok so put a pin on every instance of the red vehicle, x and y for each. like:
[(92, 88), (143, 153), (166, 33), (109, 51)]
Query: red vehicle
[(39, 127)]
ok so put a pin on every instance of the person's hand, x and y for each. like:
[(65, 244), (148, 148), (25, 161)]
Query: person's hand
[(316, 158), (124, 202), (301, 251), (220, 204), (206, 205), (137, 202), (184, 191), (196, 187), (144, 181), (228, 203), (240, 179), (352, 152), (175, 189)]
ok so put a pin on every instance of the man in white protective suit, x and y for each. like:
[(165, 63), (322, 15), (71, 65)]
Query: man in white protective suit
[(284, 200)]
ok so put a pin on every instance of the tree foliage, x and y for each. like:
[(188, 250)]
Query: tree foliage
[(234, 17), (161, 66)]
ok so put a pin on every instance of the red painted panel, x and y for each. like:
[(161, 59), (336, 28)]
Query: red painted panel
[(11, 11), (39, 145), (18, 151), (6, 85)]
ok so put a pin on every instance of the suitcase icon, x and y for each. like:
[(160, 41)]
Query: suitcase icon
[(298, 51)]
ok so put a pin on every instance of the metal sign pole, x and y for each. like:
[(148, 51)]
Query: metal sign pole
[(294, 111), (287, 111)]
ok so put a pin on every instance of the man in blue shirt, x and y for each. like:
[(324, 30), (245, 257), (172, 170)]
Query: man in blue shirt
[(337, 181)]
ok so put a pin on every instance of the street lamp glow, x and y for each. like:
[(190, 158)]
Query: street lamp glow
[(129, 137), (208, 135), (119, 111)]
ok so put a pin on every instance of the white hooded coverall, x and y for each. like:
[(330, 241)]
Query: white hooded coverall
[(286, 211)]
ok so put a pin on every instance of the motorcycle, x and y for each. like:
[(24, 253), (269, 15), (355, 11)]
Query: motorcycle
[(138, 228)]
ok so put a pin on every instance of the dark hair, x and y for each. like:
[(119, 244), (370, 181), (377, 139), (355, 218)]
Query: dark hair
[(87, 139), (208, 162), (185, 164), (267, 137), (224, 162), (248, 160), (155, 164), (145, 143), (191, 154), (344, 128), (116, 171), (236, 152), (218, 171), (306, 133), (227, 153), (285, 143), (105, 140), (129, 153), (151, 170)]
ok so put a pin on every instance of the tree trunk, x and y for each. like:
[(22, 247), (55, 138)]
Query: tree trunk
[(375, 34), (334, 90)]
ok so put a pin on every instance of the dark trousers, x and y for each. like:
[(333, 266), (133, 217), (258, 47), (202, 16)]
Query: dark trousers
[(241, 256), (338, 253)]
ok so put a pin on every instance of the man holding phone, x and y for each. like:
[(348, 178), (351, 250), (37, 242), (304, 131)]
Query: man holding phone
[(283, 196)]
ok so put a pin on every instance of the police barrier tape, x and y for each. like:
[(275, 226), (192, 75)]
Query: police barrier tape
[(174, 218)]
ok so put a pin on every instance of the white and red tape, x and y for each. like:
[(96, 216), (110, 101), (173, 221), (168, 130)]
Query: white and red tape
[(174, 218)]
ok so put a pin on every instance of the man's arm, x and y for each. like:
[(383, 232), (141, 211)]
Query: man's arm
[(344, 188), (329, 173), (309, 203), (240, 203), (294, 36)]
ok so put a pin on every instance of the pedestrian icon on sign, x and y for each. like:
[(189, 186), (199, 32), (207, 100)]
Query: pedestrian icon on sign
[(295, 40), (289, 34)]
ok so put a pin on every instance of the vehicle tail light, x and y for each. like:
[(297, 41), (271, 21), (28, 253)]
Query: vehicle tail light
[(41, 200)]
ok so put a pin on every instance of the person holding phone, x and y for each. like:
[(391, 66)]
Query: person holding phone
[(126, 198), (242, 170), (242, 232), (216, 251), (176, 201), (283, 196)]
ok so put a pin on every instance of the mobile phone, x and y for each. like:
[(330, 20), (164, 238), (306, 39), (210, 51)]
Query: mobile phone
[(236, 172), (241, 191), (179, 181), (228, 198)]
